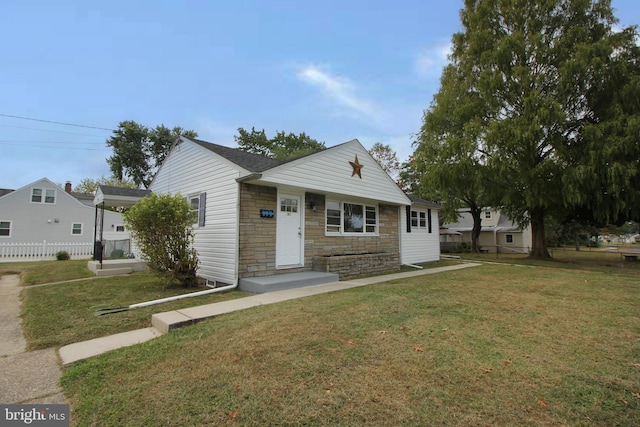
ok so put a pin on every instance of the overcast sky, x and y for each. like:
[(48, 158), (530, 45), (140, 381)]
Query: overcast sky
[(336, 70)]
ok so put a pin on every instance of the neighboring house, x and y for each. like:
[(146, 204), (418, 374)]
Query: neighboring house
[(499, 233), (335, 210), (42, 211)]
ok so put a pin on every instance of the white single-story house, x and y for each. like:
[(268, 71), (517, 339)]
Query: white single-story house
[(44, 212), (333, 211), (498, 233)]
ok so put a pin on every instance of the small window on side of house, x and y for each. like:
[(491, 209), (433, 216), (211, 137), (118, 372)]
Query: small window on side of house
[(487, 214), (414, 219), (509, 238), (423, 220), (36, 195), (119, 228), (76, 229), (50, 196), (5, 228)]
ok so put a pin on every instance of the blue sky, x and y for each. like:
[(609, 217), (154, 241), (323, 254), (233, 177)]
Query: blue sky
[(336, 70)]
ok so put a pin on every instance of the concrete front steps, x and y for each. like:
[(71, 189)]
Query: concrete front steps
[(281, 282), (116, 267)]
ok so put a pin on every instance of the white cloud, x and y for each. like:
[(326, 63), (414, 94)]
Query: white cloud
[(339, 89), (430, 62)]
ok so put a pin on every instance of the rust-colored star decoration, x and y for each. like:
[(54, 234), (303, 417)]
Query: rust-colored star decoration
[(357, 167)]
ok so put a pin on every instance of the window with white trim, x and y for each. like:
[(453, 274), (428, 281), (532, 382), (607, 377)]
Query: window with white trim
[(348, 218), (487, 214), (76, 229), (508, 239), (421, 220), (38, 195), (5, 228), (414, 219), (198, 202), (120, 228)]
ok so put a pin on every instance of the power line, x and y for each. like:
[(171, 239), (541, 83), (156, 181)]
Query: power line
[(46, 130), (54, 122), (45, 146), (18, 143)]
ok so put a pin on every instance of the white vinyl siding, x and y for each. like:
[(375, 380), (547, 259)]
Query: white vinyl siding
[(329, 172), (422, 243), (192, 170), (33, 220)]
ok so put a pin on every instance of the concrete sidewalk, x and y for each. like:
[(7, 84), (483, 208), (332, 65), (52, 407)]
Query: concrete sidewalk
[(25, 377), (165, 322)]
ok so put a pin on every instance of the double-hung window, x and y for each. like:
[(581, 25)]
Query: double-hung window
[(348, 218), (38, 195), (5, 228), (198, 202), (76, 229)]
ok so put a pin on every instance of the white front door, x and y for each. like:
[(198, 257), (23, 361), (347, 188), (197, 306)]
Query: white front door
[(289, 231)]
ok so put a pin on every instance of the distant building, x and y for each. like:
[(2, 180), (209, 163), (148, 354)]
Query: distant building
[(499, 233)]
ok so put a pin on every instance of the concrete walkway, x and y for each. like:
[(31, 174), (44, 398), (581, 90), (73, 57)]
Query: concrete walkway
[(25, 377), (165, 322)]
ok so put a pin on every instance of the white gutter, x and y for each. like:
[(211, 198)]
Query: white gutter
[(413, 266), (183, 296), (103, 311)]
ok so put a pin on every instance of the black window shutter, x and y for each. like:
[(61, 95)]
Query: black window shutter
[(408, 210), (202, 209), (429, 219)]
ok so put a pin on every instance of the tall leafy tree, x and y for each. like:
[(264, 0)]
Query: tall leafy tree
[(138, 150), (89, 185), (546, 76), (452, 169), (386, 158), (282, 146)]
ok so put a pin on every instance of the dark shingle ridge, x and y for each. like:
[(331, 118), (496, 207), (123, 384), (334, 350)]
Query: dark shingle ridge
[(416, 199), (126, 192), (4, 191), (249, 161)]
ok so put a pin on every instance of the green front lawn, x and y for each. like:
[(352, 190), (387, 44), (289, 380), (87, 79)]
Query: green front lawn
[(490, 345)]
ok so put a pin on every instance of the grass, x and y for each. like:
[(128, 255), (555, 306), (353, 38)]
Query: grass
[(490, 345), (34, 273), (600, 260), (60, 314)]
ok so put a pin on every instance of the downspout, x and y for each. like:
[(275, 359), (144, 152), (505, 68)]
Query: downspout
[(183, 296), (414, 266), (103, 311)]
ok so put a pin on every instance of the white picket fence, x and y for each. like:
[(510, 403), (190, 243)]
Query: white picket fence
[(11, 252)]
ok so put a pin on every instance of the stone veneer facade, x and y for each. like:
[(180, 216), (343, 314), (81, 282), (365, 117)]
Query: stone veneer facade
[(351, 256)]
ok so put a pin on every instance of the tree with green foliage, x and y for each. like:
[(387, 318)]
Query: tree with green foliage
[(162, 226), (89, 185), (452, 171), (386, 158), (138, 150), (281, 147), (543, 82)]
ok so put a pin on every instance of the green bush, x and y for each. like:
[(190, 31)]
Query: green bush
[(162, 225), (62, 256)]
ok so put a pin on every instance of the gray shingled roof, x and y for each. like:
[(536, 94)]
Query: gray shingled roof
[(418, 200), (249, 161), (108, 190), (4, 191)]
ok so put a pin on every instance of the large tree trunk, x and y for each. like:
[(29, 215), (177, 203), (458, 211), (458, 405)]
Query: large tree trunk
[(539, 245), (477, 227)]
